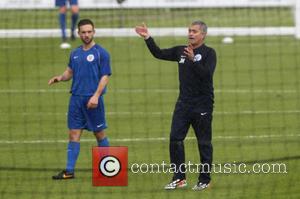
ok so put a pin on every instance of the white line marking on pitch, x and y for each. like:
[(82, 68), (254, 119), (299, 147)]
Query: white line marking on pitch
[(149, 139), (145, 90), (159, 113)]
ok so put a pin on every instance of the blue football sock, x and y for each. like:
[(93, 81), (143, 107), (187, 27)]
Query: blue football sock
[(62, 22), (74, 21), (73, 152), (103, 142)]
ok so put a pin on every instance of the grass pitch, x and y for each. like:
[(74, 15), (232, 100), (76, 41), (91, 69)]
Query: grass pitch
[(256, 117)]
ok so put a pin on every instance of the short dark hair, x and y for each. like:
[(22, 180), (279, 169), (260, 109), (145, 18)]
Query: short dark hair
[(202, 25), (83, 22)]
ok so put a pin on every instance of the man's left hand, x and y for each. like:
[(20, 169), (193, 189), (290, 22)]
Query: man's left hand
[(188, 51), (93, 102)]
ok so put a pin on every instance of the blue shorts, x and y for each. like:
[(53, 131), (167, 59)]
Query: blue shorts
[(80, 117), (61, 3)]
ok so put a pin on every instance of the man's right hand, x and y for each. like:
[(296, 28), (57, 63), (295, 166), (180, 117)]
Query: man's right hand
[(142, 30), (55, 80)]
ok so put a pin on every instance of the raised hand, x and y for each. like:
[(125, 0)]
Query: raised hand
[(188, 51), (142, 30)]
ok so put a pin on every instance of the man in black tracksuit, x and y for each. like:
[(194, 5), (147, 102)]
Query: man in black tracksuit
[(196, 65)]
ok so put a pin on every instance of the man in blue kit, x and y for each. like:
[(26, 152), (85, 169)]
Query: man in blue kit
[(89, 66), (62, 4), (194, 107)]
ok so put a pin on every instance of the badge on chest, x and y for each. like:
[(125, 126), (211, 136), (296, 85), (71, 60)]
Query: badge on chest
[(90, 58)]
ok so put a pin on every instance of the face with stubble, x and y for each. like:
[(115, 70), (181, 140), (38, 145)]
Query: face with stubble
[(195, 35), (86, 33)]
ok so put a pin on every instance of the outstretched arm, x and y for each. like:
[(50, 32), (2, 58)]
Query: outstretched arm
[(165, 54), (67, 75)]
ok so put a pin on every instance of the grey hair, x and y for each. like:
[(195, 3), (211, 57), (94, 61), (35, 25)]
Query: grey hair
[(202, 25)]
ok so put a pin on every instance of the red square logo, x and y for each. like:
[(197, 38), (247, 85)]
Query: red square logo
[(110, 166)]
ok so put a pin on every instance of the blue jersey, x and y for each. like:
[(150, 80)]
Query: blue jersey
[(88, 68)]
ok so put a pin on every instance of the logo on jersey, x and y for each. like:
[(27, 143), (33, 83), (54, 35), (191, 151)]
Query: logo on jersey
[(197, 57), (182, 59), (90, 58)]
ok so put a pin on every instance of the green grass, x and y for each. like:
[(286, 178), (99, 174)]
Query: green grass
[(257, 94), (16, 19)]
